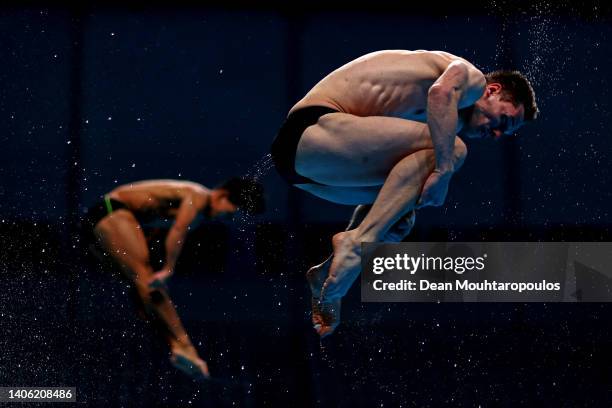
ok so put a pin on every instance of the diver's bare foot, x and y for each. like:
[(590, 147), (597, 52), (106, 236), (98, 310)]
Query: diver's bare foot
[(325, 286), (326, 306), (187, 360), (317, 274), (345, 265), (325, 315)]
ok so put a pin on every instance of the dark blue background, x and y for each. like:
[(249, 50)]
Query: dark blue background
[(96, 97)]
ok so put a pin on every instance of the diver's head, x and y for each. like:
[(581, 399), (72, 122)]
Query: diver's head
[(237, 193), (507, 103)]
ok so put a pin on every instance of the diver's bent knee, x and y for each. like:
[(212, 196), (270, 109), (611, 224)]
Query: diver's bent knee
[(157, 296), (152, 297)]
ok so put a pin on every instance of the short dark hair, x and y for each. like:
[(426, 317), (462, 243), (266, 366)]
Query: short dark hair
[(516, 88), (246, 193)]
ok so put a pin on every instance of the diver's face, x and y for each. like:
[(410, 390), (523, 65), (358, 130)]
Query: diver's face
[(494, 117), (221, 206)]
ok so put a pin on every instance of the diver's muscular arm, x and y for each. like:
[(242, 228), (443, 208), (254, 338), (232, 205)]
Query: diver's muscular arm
[(458, 85), (442, 112), (187, 211)]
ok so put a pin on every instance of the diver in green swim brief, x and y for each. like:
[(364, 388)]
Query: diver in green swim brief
[(116, 224)]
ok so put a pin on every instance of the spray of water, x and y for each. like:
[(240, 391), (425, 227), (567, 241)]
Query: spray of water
[(245, 222), (545, 58)]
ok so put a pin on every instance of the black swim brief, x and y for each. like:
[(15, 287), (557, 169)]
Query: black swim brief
[(101, 209), (285, 144)]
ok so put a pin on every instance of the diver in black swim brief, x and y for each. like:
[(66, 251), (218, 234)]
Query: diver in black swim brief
[(393, 143), (285, 144)]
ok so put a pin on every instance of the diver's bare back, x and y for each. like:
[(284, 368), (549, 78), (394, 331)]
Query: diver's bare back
[(146, 194), (383, 83)]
